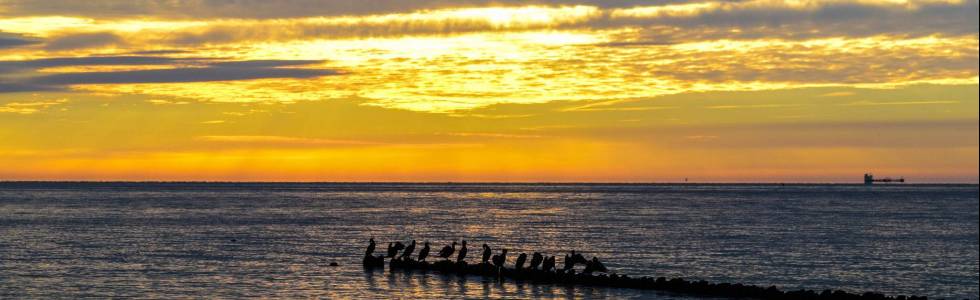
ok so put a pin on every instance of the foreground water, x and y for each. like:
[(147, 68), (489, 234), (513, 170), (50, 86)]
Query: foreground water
[(277, 240)]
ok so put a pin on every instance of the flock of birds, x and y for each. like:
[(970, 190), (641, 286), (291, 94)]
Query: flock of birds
[(538, 261), (542, 269)]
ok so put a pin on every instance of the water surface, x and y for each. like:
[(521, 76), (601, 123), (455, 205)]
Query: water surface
[(276, 240)]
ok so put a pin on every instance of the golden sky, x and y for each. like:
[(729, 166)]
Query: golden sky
[(433, 90)]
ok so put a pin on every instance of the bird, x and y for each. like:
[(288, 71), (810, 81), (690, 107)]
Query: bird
[(577, 258), (408, 251), (447, 251), (594, 266), (393, 249), (520, 261), (574, 259), (486, 253), (536, 260), (462, 253), (549, 263), (424, 252), (370, 248), (499, 260)]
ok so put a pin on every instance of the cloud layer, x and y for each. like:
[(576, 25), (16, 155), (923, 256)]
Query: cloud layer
[(662, 23), (9, 40), (177, 70)]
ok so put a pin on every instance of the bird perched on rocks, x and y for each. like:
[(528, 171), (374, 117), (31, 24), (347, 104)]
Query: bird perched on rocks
[(408, 251), (424, 252), (462, 253), (370, 248), (499, 260), (393, 249), (520, 261), (447, 251), (536, 260), (486, 253), (549, 263), (595, 266)]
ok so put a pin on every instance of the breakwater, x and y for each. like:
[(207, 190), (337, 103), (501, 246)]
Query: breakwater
[(543, 270)]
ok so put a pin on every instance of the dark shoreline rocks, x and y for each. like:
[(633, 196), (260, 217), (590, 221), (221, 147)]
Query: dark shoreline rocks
[(675, 285)]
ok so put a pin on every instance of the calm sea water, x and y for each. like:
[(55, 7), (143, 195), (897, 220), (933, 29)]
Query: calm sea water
[(277, 240)]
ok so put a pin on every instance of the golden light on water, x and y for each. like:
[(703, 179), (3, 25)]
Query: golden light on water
[(528, 93)]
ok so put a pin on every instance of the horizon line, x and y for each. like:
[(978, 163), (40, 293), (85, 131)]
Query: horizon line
[(497, 182)]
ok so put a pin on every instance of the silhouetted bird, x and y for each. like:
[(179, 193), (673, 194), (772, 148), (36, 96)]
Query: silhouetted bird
[(577, 258), (536, 260), (573, 259), (447, 251), (424, 252), (370, 248), (549, 263), (393, 249), (568, 263), (520, 261), (408, 251), (462, 253), (595, 266), (486, 253), (499, 260)]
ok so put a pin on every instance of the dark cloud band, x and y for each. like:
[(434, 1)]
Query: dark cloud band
[(201, 70), (177, 75), (10, 40)]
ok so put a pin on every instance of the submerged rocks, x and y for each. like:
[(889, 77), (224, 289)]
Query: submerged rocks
[(567, 276), (677, 285), (370, 261)]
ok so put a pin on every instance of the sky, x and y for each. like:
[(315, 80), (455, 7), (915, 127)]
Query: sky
[(502, 91)]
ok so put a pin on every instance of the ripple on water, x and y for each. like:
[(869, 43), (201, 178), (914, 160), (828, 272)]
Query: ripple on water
[(277, 240)]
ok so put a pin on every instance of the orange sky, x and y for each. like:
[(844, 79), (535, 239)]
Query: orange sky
[(754, 91)]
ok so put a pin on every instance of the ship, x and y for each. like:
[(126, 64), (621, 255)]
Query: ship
[(870, 179)]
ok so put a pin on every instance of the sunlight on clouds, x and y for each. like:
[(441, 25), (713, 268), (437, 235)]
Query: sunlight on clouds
[(613, 92), (31, 107), (686, 9), (50, 25), (444, 74), (515, 16), (695, 8)]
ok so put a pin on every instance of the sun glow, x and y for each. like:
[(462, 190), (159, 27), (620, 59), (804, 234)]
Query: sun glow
[(726, 90)]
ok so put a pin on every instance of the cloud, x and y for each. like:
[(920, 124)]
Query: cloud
[(10, 40), (752, 106), (790, 20), (177, 75), (494, 135), (82, 40), (26, 108), (262, 9), (268, 63), (20, 65), (160, 52), (645, 51), (435, 22), (663, 24), (20, 87), (886, 103), (200, 70), (279, 141), (829, 133)]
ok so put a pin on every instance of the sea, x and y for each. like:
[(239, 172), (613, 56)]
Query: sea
[(277, 240)]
